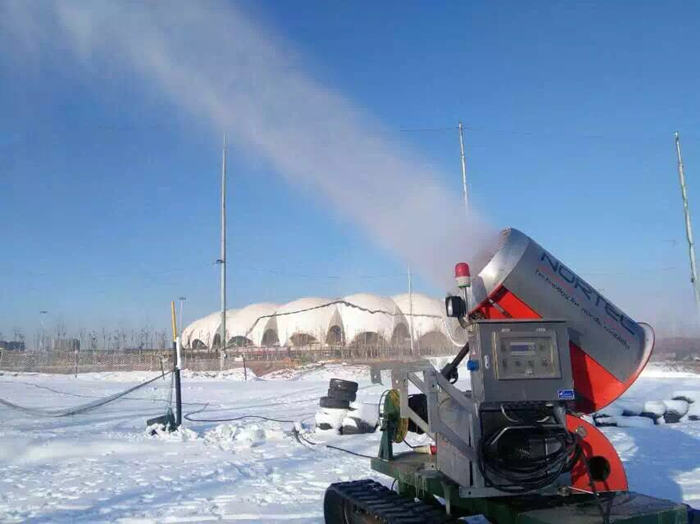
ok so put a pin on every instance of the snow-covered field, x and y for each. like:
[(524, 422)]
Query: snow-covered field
[(103, 466)]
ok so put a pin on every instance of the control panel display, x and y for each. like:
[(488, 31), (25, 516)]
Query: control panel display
[(525, 355), (521, 348)]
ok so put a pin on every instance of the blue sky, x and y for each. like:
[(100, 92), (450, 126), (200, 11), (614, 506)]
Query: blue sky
[(109, 189)]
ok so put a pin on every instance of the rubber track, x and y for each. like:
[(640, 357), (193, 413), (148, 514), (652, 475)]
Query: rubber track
[(391, 508)]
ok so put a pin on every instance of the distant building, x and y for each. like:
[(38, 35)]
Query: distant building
[(12, 345)]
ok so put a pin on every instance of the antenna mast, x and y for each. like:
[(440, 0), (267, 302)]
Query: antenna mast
[(464, 167), (688, 227)]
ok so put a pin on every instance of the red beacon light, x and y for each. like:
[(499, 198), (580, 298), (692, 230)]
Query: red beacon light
[(462, 275)]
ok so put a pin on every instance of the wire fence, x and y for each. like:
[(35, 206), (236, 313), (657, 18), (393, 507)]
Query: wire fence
[(91, 361), (160, 391)]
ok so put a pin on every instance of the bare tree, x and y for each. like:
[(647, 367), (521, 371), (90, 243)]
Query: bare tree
[(60, 329), (92, 336)]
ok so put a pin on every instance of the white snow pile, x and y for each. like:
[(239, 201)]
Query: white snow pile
[(103, 466), (359, 418), (236, 374), (240, 436), (330, 419), (366, 412), (181, 434), (631, 412)]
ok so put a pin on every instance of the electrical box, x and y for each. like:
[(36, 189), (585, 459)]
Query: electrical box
[(520, 361)]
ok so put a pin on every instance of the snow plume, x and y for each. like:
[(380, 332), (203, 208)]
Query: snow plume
[(214, 62)]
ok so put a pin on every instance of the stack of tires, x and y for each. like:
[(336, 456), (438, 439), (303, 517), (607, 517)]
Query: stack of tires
[(339, 411), (340, 394)]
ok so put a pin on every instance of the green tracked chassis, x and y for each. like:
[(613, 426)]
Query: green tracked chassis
[(366, 501)]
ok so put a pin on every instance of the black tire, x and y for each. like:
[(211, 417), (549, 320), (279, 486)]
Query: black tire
[(418, 402), (333, 403), (671, 417), (340, 394), (345, 385)]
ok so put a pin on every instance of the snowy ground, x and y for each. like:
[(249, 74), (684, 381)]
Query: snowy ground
[(103, 466)]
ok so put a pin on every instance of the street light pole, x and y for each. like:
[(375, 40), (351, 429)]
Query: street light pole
[(222, 339), (464, 168)]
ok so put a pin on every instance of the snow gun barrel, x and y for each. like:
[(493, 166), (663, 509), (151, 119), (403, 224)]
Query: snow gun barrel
[(524, 281)]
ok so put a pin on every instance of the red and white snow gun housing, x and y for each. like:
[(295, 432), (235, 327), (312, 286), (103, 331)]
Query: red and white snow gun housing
[(543, 347)]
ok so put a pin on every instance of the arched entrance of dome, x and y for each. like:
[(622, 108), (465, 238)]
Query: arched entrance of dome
[(239, 341), (401, 336), (270, 338), (216, 343), (198, 344), (302, 339), (435, 342), (335, 336), (368, 339)]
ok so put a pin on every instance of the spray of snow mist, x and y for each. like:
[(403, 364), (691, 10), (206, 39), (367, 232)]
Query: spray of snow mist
[(216, 63)]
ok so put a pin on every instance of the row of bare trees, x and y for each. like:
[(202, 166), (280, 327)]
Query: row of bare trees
[(118, 339)]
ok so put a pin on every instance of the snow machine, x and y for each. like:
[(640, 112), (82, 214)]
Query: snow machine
[(542, 348)]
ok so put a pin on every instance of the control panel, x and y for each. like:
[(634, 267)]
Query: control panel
[(520, 360), (522, 354)]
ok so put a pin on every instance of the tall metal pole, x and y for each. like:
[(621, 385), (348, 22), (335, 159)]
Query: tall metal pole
[(182, 302), (464, 168), (223, 254), (176, 369), (688, 226), (410, 306)]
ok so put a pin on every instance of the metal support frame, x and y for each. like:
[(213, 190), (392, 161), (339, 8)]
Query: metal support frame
[(439, 390), (433, 385)]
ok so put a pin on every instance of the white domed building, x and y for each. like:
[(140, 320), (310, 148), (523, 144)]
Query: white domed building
[(373, 320), (359, 320), (428, 319), (309, 321), (254, 325), (200, 333)]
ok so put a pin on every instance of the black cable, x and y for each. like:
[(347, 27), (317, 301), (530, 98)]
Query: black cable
[(527, 473), (296, 433), (242, 417), (604, 513), (330, 446), (188, 416)]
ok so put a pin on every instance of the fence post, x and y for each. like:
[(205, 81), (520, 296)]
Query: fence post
[(76, 362)]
